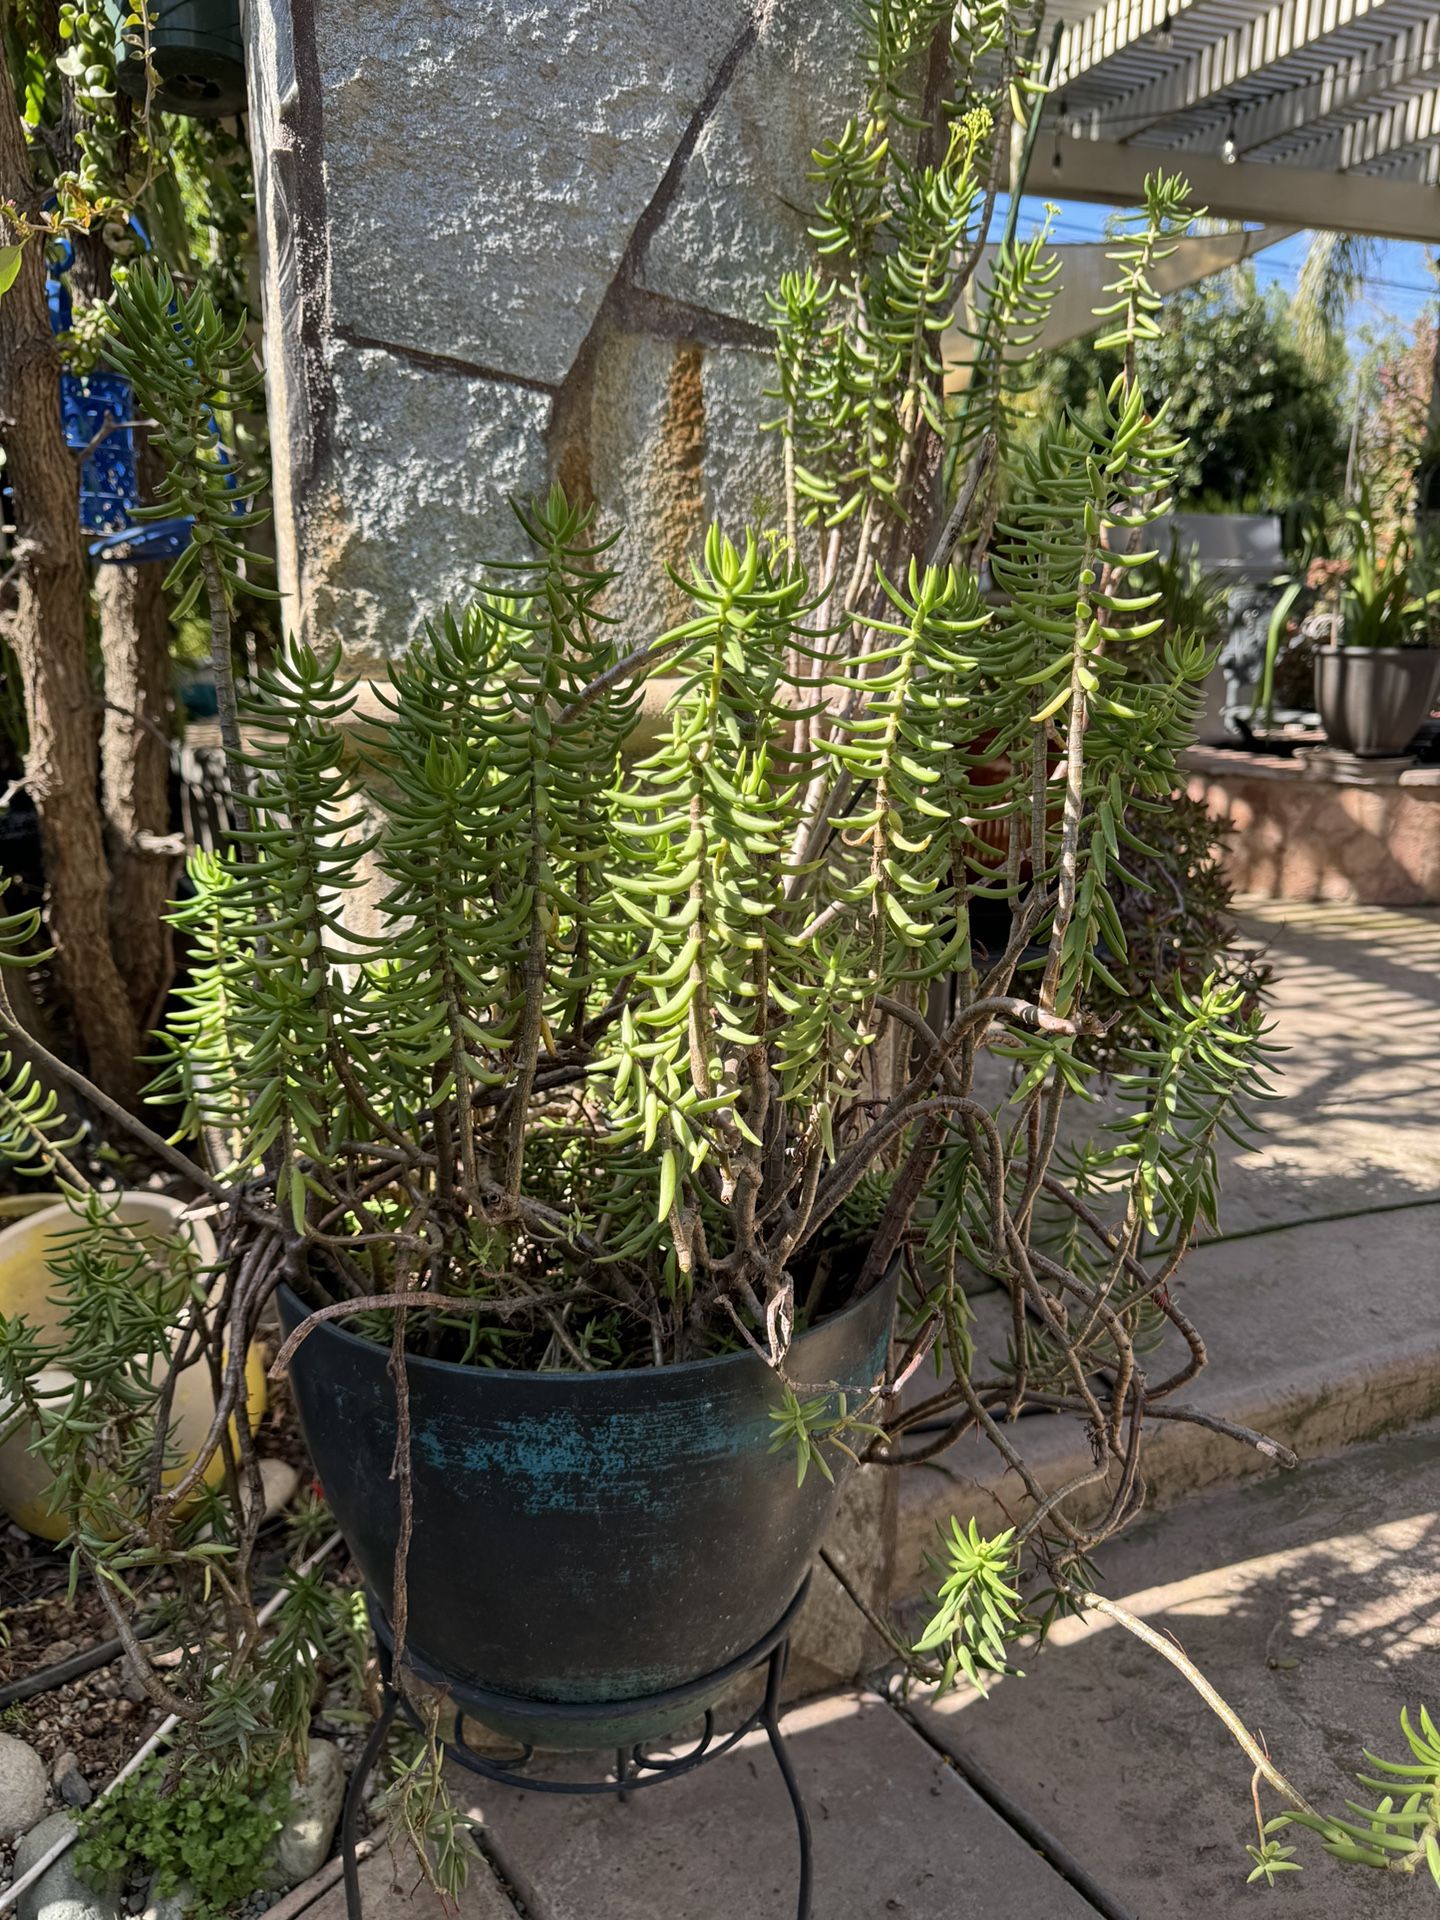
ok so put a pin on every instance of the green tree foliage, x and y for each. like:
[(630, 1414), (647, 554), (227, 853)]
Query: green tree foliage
[(1263, 429), (94, 178), (105, 155), (1399, 438)]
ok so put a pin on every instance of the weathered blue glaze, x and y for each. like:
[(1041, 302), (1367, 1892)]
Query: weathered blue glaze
[(580, 1537)]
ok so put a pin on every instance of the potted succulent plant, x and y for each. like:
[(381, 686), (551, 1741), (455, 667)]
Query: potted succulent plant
[(618, 1165), (1378, 678)]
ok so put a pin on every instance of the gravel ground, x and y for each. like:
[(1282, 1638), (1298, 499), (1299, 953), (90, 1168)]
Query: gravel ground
[(103, 1716)]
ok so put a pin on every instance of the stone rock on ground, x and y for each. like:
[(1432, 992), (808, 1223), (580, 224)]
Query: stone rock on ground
[(303, 1842), (22, 1786), (59, 1893), (280, 1480), (131, 1685), (169, 1906), (71, 1785)]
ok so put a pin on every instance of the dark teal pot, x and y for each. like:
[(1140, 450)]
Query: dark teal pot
[(581, 1538), (197, 51)]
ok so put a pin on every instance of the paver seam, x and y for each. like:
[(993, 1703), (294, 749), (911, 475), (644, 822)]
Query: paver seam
[(1319, 1220), (326, 1894), (483, 1842), (1053, 1852), (1320, 1413)]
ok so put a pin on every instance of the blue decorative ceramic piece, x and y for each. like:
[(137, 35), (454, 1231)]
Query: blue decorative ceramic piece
[(96, 412)]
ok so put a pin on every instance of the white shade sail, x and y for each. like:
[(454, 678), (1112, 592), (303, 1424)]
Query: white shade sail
[(1086, 270)]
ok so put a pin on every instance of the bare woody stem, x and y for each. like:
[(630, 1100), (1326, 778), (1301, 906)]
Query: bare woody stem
[(1182, 1664), (384, 1303), (145, 1136), (1067, 880), (217, 602)]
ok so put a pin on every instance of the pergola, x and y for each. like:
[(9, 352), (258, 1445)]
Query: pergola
[(1303, 113)]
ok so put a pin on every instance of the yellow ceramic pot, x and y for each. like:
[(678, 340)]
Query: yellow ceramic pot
[(28, 1247)]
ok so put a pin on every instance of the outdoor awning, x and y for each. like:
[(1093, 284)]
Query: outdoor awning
[(1306, 113)]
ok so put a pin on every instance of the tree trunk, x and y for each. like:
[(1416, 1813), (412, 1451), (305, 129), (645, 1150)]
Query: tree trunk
[(1427, 478), (135, 767), (48, 637)]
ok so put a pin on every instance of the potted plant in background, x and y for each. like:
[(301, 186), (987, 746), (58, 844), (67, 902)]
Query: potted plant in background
[(1377, 679), (614, 1171)]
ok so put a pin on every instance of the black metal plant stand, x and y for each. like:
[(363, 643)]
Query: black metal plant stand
[(634, 1766)]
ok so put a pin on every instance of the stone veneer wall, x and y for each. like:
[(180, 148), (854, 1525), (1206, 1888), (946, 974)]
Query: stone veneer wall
[(506, 240), (1315, 830)]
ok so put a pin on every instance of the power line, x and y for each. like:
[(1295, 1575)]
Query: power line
[(1064, 227), (1361, 286)]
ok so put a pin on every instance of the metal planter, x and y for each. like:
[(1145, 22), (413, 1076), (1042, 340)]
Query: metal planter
[(198, 53)]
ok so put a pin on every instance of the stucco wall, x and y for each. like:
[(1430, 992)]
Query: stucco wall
[(505, 240)]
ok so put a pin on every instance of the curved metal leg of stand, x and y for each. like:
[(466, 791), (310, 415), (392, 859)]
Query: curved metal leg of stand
[(355, 1800), (770, 1720), (633, 1767)]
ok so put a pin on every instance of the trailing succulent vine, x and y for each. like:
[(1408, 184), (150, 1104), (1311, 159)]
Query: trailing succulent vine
[(630, 1060)]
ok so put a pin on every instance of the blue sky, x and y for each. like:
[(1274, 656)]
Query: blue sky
[(1396, 289)]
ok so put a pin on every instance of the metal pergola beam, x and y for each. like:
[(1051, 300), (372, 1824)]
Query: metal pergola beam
[(1422, 167), (1255, 41), (1114, 175), (1343, 85), (1109, 30), (1411, 124)]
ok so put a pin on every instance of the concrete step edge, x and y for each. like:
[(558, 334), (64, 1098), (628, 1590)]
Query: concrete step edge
[(1315, 1412)]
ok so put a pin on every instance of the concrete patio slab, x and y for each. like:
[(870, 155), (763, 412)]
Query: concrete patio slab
[(1318, 1336), (1313, 1604), (1354, 1002), (393, 1890), (1356, 1005), (897, 1833), (1312, 1599)]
